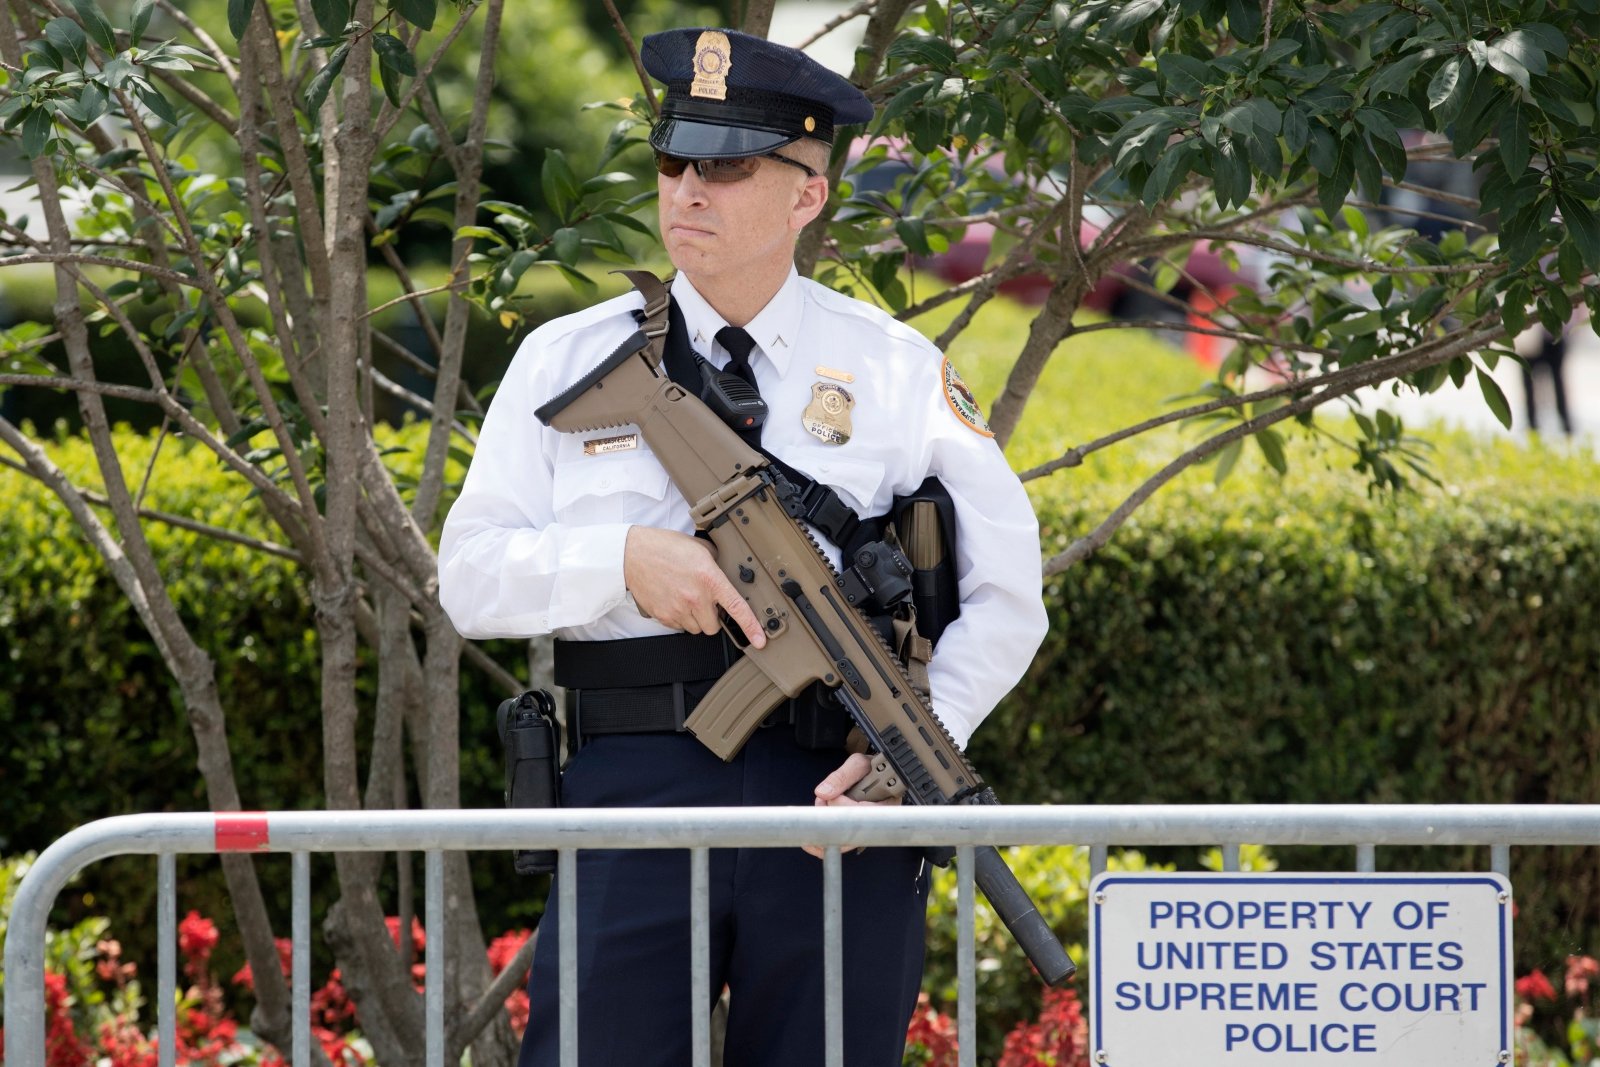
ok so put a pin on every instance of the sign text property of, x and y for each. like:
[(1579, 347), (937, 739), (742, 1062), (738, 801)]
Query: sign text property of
[(1315, 970)]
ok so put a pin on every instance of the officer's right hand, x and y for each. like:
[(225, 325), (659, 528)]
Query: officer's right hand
[(675, 580)]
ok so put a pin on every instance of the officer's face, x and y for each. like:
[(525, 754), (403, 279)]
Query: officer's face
[(739, 233)]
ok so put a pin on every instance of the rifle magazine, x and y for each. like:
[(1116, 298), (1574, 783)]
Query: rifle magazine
[(726, 716)]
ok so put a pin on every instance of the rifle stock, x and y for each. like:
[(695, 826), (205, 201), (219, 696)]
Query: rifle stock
[(814, 635)]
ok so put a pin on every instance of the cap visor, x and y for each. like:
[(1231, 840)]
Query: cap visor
[(707, 140)]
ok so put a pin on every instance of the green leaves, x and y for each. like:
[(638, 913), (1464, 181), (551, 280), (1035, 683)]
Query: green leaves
[(394, 63), (69, 40), (1583, 228), (331, 15), (1130, 14), (1517, 55), (1271, 444), (322, 83), (142, 10), (1185, 75), (1494, 397), (1515, 146), (420, 13), (923, 50), (1442, 87), (239, 17), (158, 104), (559, 183), (95, 23), (36, 130)]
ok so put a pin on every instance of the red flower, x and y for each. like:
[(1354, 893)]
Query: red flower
[(197, 936), (1060, 1038), (1535, 986), (503, 949), (419, 938), (62, 1046), (932, 1034), (245, 977), (331, 1005), (517, 1008), (1580, 969), (125, 1046)]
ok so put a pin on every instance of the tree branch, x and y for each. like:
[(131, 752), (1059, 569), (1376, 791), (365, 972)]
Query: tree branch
[(207, 42), (758, 17), (848, 15), (509, 684), (390, 114), (633, 54), (452, 350), (493, 1001), (216, 533), (241, 348), (133, 565), (1370, 374)]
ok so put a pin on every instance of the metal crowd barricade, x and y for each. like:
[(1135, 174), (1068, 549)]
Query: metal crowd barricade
[(698, 829)]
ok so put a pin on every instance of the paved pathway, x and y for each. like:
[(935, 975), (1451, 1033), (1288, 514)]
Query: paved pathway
[(1465, 407)]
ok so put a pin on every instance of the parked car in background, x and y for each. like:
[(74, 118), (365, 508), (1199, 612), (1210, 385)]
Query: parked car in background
[(880, 177)]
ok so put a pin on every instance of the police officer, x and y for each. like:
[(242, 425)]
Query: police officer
[(584, 536)]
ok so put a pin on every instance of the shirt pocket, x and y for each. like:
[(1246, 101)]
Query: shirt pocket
[(857, 480), (611, 487)]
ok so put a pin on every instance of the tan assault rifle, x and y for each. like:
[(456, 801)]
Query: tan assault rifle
[(813, 634)]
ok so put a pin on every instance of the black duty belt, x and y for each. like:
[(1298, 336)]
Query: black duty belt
[(642, 685), (632, 662), (651, 684), (644, 709)]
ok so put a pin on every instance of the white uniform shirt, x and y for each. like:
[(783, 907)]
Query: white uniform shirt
[(535, 542)]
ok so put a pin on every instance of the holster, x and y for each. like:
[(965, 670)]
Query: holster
[(925, 522)]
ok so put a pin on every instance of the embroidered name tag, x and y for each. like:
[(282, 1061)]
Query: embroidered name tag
[(599, 446)]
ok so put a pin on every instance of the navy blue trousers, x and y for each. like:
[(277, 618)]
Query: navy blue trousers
[(766, 921)]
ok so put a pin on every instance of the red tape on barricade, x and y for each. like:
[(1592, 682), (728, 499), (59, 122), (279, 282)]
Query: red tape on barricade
[(244, 831)]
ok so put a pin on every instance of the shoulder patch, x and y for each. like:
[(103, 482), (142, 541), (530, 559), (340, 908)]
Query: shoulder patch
[(960, 399)]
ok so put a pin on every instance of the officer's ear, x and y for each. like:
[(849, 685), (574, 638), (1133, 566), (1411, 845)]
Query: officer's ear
[(808, 204)]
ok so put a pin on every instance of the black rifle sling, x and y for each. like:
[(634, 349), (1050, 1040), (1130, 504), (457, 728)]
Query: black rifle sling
[(817, 504)]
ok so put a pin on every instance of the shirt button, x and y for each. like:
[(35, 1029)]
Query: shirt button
[(605, 483)]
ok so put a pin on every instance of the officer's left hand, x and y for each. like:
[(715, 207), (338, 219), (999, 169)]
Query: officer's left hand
[(830, 792)]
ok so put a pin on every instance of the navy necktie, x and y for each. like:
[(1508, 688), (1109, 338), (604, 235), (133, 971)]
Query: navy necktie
[(739, 345)]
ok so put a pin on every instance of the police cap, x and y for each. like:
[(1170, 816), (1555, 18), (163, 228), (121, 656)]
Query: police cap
[(731, 95)]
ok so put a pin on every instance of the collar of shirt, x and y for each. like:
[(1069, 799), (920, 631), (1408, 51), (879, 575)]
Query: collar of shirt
[(774, 329)]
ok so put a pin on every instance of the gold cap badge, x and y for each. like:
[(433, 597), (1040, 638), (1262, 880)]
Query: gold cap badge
[(713, 56)]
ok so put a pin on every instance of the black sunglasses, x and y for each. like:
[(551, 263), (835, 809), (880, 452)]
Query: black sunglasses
[(722, 170)]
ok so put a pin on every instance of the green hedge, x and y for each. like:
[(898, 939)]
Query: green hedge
[(1294, 641), (95, 720), (29, 295), (1265, 642)]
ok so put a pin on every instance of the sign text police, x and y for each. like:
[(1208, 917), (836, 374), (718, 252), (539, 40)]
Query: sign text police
[(1243, 970)]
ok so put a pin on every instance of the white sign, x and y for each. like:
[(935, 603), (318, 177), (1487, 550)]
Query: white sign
[(1326, 970)]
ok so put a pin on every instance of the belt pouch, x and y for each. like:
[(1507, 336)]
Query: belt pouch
[(819, 721), (527, 730)]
